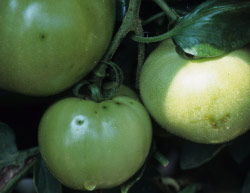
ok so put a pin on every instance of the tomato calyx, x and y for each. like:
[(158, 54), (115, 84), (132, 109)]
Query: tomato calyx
[(131, 23), (95, 86), (95, 93)]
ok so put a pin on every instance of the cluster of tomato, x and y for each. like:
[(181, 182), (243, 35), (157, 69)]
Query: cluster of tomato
[(89, 145), (45, 49)]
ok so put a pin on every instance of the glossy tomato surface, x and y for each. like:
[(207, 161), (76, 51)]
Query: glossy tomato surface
[(205, 100), (47, 46), (122, 90), (89, 145)]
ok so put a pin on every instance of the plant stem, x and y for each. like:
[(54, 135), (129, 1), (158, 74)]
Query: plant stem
[(154, 17), (171, 182), (141, 54), (161, 158), (31, 152), (153, 39), (169, 11), (130, 23)]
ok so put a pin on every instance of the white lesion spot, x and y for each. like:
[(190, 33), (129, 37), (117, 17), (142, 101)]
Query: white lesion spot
[(79, 125), (77, 129)]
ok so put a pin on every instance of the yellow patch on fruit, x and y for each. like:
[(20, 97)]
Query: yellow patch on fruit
[(204, 100)]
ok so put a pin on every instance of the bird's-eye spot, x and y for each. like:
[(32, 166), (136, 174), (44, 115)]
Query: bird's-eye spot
[(79, 121)]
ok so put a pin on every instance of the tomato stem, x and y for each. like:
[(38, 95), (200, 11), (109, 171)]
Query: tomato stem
[(130, 23), (172, 15), (95, 92), (118, 80), (161, 158), (32, 152), (78, 87), (153, 18), (171, 182), (153, 39)]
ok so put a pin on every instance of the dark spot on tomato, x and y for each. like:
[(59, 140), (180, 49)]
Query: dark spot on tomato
[(79, 122), (42, 36), (104, 107), (131, 102), (118, 103)]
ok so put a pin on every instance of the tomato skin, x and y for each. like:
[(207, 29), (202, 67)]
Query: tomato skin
[(47, 46), (204, 100), (89, 145), (123, 90)]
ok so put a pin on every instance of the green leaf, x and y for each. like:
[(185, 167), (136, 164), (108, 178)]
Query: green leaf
[(194, 155), (246, 186), (9, 154), (8, 149), (240, 148), (11, 175), (7, 140), (44, 181), (192, 188), (15, 166), (214, 28), (13, 163)]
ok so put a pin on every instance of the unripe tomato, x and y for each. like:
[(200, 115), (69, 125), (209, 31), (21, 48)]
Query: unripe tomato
[(47, 46), (88, 145), (205, 100), (123, 90)]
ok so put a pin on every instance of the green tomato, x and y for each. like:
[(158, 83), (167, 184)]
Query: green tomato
[(88, 145), (123, 90), (47, 46), (205, 100)]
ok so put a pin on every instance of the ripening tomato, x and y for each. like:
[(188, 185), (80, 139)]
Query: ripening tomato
[(88, 145), (204, 100), (47, 46)]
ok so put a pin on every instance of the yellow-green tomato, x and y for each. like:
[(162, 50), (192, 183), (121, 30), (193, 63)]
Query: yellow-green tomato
[(47, 46), (88, 145), (205, 100)]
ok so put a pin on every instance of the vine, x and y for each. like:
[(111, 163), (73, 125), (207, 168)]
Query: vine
[(131, 23)]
